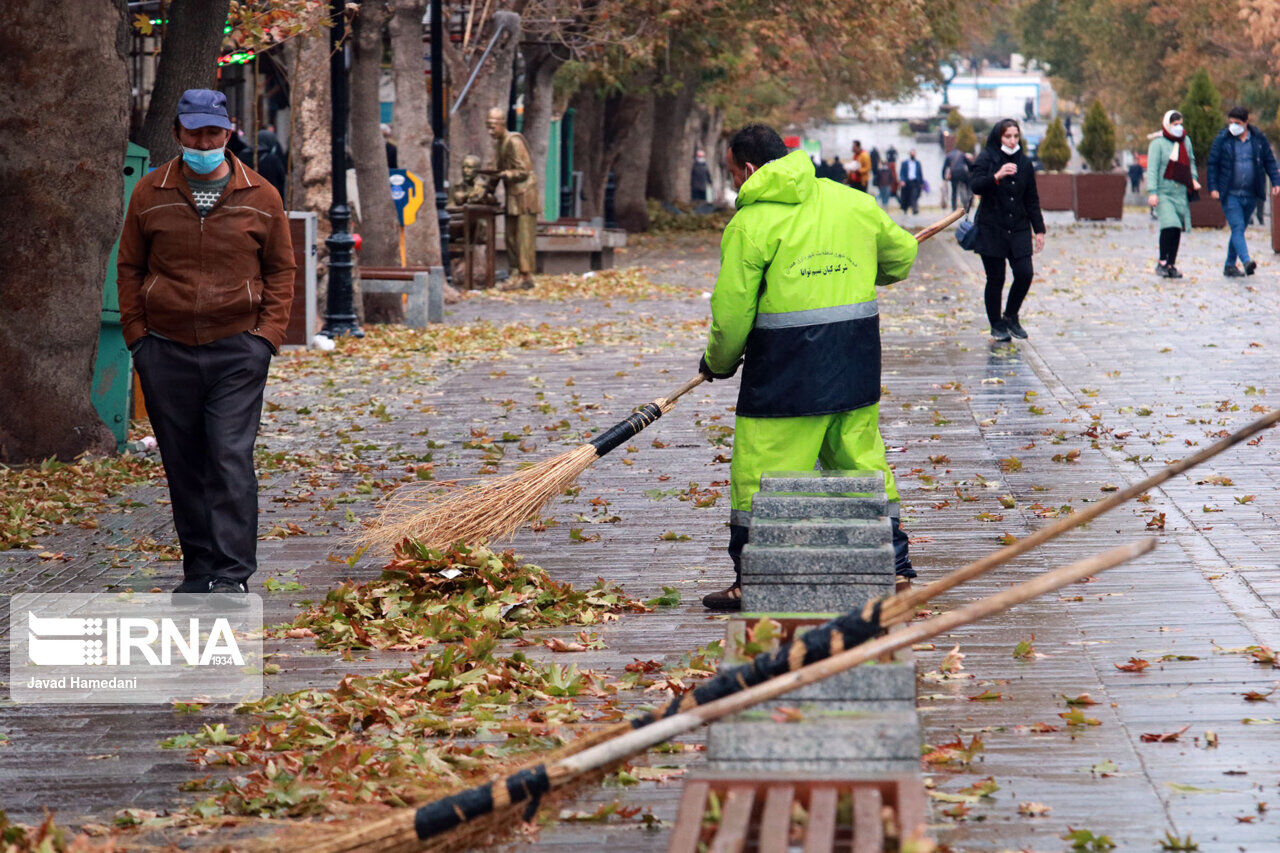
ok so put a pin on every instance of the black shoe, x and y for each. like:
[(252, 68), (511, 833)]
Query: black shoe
[(1232, 271), (1162, 271), (999, 331), (1173, 272), (1250, 267), (191, 585), (1014, 327), (725, 599), (225, 592)]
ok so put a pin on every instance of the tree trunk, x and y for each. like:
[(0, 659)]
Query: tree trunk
[(631, 123), (189, 51), (492, 88), (540, 66), (709, 130), (413, 128), (588, 149), (310, 145), (61, 204), (671, 160), (379, 228)]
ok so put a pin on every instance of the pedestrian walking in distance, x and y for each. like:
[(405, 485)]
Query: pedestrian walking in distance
[(205, 276), (1240, 162), (1010, 225), (911, 175), (1171, 177), (795, 305)]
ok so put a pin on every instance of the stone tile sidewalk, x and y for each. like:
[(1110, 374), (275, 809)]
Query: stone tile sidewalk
[(1126, 369)]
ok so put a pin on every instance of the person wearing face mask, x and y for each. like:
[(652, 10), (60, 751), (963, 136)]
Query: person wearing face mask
[(1010, 225), (1240, 162), (795, 305), (205, 278), (1171, 175)]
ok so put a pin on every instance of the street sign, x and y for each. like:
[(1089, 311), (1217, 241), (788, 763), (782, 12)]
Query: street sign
[(406, 192)]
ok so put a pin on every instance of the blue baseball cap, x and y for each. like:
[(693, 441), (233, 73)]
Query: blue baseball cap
[(203, 108)]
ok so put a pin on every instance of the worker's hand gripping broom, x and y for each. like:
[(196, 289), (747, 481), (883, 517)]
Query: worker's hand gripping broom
[(495, 508)]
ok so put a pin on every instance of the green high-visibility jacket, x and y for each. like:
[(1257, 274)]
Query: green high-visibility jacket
[(796, 295)]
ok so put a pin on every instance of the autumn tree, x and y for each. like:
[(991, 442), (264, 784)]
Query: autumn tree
[(966, 139), (190, 42), (61, 203)]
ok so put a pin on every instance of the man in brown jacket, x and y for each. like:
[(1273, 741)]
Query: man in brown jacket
[(515, 169), (205, 275)]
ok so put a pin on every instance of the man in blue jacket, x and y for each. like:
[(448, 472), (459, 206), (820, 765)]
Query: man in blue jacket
[(1240, 162)]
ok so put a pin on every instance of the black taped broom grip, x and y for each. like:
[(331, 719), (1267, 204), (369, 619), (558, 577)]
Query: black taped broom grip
[(625, 430)]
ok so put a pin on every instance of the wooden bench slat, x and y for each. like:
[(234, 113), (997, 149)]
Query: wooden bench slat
[(735, 820), (775, 820), (911, 808), (693, 801), (821, 835), (868, 830)]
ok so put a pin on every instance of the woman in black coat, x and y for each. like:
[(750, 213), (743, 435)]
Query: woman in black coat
[(1010, 226)]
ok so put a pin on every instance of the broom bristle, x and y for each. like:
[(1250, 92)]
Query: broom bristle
[(484, 511)]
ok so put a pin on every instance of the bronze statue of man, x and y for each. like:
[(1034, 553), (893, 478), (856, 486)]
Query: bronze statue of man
[(515, 169)]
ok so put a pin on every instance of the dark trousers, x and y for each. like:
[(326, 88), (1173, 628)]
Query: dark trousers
[(1170, 239), (911, 196), (1022, 273), (205, 404)]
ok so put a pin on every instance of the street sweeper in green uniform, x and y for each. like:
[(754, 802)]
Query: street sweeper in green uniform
[(795, 305)]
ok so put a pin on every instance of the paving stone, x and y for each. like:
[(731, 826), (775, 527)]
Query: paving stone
[(851, 533), (782, 562), (842, 483), (785, 506)]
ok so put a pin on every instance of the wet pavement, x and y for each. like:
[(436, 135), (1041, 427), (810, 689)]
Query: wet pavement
[(1123, 372)]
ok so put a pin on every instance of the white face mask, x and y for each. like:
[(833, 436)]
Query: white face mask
[(1236, 129), (1176, 131), (1010, 151)]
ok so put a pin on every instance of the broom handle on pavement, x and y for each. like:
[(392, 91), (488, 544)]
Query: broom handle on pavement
[(906, 602), (665, 729), (670, 400)]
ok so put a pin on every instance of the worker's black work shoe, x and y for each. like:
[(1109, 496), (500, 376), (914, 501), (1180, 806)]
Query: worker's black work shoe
[(1232, 271), (1014, 327), (1250, 268), (1172, 272), (725, 599), (1000, 332), (192, 585)]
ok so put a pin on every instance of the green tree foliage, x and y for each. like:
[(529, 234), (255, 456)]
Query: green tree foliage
[(966, 139), (1201, 115), (1054, 151), (1098, 145), (954, 120)]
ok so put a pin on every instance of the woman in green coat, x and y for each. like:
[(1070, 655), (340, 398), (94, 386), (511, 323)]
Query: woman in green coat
[(1171, 175)]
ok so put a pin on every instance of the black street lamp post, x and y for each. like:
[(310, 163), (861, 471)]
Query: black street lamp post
[(339, 315), (439, 145)]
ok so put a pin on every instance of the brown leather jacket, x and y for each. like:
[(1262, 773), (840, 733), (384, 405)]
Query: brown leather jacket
[(195, 280)]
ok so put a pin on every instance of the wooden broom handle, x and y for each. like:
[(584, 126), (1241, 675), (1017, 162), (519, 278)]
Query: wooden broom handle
[(667, 402), (905, 602), (662, 730)]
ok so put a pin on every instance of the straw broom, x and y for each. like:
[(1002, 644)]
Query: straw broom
[(437, 825), (495, 508)]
